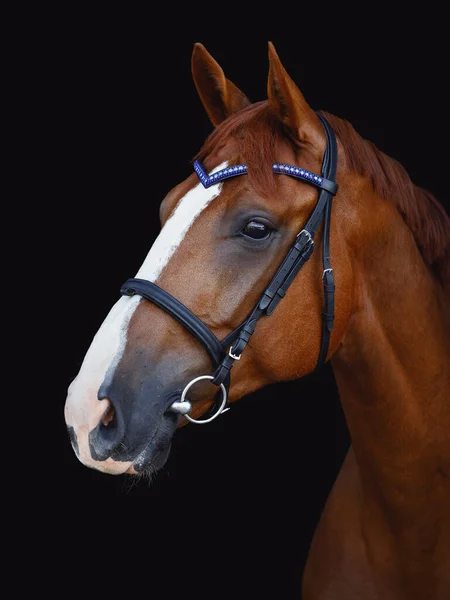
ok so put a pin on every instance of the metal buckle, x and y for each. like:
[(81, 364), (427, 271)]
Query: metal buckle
[(310, 239), (325, 272), (234, 356), (184, 406)]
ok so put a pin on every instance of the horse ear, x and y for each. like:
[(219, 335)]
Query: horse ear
[(220, 97), (300, 121)]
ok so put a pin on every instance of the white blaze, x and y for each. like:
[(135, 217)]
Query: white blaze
[(173, 232), (108, 345)]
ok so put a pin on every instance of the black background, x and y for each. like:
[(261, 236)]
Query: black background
[(233, 511)]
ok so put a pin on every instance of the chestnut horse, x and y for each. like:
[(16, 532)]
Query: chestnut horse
[(385, 530)]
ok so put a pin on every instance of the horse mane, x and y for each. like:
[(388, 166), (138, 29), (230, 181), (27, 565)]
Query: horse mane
[(259, 134), (423, 214)]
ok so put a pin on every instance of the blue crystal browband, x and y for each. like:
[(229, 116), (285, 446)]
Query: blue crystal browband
[(280, 169), (298, 173), (208, 180)]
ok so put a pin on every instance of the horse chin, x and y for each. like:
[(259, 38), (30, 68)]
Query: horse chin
[(156, 452), (147, 464)]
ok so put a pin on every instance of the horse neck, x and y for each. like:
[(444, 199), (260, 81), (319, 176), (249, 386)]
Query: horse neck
[(392, 368)]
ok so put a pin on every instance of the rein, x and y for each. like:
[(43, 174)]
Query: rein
[(297, 256)]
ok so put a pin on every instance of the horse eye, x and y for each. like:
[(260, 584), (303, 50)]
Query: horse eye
[(256, 230)]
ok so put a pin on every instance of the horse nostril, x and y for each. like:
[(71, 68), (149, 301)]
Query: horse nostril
[(108, 415), (106, 437)]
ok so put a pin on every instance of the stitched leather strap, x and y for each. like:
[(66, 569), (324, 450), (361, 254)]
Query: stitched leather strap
[(329, 168), (178, 311)]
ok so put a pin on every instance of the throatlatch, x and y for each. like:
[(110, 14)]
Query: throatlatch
[(297, 256)]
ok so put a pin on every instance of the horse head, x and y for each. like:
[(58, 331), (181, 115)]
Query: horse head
[(225, 232)]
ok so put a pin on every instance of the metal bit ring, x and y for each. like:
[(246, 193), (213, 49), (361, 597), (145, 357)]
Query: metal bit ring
[(217, 413)]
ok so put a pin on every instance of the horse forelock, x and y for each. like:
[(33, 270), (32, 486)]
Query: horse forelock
[(257, 135)]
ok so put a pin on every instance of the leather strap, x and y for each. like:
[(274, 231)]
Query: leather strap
[(178, 311), (329, 167), (291, 265)]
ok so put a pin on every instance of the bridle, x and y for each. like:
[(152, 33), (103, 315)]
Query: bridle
[(297, 256)]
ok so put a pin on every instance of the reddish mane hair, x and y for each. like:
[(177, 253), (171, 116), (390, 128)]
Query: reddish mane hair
[(423, 214), (259, 134)]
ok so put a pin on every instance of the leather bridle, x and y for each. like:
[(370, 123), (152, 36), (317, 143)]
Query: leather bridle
[(297, 256)]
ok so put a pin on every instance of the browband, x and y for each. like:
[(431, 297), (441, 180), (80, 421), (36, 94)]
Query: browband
[(279, 168)]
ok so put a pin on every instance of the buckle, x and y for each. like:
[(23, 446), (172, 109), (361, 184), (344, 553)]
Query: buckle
[(233, 356), (308, 235)]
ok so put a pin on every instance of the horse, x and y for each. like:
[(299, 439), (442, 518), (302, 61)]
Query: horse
[(293, 242)]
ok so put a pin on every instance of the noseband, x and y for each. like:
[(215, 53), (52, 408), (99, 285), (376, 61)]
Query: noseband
[(297, 256)]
